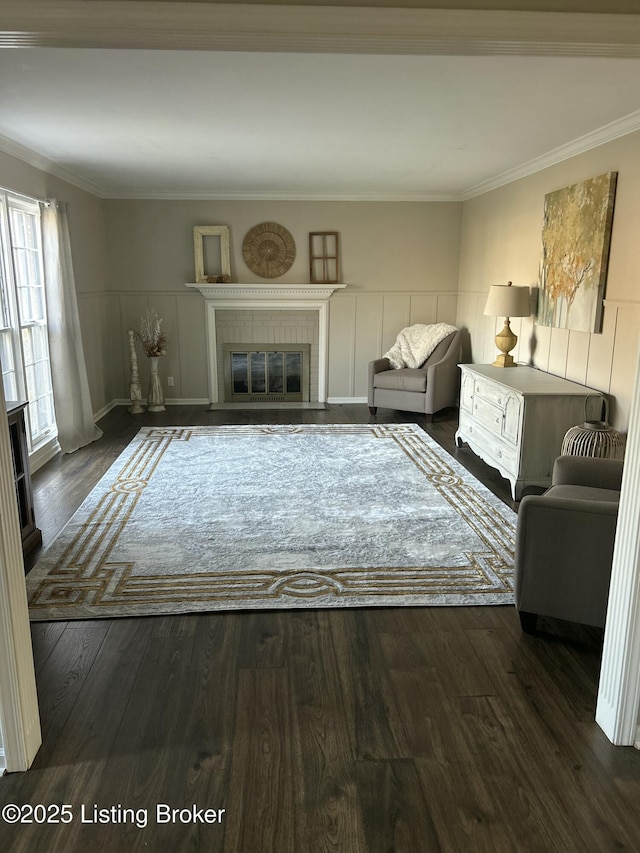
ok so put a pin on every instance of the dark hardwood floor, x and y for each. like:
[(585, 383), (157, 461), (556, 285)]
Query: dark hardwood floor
[(409, 729)]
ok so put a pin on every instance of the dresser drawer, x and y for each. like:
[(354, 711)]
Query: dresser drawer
[(490, 392), (498, 408), (490, 445), (507, 456), (487, 414)]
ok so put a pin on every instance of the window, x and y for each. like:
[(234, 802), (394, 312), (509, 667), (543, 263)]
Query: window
[(24, 347)]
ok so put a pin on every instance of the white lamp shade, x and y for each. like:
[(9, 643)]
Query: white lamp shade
[(505, 300)]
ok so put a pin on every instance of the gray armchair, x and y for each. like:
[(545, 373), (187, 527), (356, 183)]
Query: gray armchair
[(564, 543), (426, 389)]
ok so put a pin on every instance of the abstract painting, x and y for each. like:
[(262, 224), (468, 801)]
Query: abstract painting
[(576, 235)]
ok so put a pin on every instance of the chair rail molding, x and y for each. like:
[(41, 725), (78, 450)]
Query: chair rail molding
[(618, 705)]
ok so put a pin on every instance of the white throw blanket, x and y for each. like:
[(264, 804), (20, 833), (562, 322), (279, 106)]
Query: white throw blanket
[(415, 344)]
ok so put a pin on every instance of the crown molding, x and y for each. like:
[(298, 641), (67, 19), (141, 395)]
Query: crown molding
[(281, 196), (154, 25), (39, 161), (607, 133)]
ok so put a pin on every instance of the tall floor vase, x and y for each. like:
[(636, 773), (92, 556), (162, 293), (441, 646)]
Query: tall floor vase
[(155, 397)]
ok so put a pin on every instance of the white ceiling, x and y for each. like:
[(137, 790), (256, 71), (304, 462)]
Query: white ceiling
[(173, 123)]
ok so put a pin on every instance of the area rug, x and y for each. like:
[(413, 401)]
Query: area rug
[(234, 517)]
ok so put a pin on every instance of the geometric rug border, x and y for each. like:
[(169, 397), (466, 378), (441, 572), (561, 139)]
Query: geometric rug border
[(83, 583)]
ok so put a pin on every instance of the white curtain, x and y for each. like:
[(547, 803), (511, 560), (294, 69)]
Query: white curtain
[(71, 399)]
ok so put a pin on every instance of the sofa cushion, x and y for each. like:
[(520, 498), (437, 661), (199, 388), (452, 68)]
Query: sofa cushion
[(403, 379), (584, 493)]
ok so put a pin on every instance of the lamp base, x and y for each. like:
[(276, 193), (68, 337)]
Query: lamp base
[(505, 341), (504, 360)]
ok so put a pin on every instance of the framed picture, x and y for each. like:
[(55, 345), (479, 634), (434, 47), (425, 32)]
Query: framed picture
[(576, 235), (212, 260)]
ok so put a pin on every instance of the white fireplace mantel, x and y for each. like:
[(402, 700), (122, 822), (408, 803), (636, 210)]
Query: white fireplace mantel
[(257, 290), (257, 296)]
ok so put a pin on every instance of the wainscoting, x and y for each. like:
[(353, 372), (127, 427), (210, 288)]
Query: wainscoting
[(604, 361), (361, 327)]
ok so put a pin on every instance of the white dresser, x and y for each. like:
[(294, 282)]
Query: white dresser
[(515, 419)]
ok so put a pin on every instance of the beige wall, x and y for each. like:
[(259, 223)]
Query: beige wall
[(400, 261), (501, 242), (88, 245), (403, 263), (86, 218)]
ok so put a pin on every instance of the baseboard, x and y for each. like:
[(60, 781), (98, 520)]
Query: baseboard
[(176, 401), (204, 401), (43, 454), (106, 409)]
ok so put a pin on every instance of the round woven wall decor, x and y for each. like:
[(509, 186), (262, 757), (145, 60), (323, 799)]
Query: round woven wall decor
[(268, 250)]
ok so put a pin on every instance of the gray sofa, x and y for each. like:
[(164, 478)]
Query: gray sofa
[(564, 543), (426, 389)]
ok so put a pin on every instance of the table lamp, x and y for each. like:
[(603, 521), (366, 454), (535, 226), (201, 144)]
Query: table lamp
[(505, 300)]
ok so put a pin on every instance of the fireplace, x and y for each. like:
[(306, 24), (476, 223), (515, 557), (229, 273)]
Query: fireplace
[(250, 301), (268, 332), (272, 373)]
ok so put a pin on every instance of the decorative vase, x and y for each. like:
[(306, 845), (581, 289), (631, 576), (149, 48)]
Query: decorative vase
[(594, 438), (155, 397)]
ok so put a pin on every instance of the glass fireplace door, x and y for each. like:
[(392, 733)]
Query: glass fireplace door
[(278, 372)]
